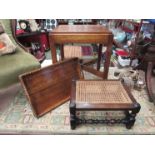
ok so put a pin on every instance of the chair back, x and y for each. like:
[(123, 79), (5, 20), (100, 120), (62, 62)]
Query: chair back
[(8, 29)]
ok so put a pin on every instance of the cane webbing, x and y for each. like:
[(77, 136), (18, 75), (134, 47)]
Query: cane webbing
[(97, 92), (72, 51)]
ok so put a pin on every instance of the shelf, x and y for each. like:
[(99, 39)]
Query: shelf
[(30, 34), (78, 22), (133, 22)]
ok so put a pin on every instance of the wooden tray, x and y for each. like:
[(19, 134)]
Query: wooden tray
[(50, 87)]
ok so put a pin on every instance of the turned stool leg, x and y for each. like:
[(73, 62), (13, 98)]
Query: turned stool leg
[(73, 116), (131, 116)]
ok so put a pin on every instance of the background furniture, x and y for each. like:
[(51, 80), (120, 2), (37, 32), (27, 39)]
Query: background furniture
[(76, 21), (131, 27), (38, 37), (98, 95), (83, 34), (50, 86), (12, 65), (143, 48), (146, 55), (148, 65), (34, 37), (150, 59)]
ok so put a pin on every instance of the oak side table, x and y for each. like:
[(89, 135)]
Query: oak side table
[(95, 34)]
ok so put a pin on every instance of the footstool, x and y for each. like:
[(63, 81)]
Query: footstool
[(98, 95)]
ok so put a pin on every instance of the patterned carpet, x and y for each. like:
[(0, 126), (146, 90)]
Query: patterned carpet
[(18, 119)]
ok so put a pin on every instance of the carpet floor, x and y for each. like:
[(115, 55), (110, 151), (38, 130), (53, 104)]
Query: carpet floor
[(18, 118)]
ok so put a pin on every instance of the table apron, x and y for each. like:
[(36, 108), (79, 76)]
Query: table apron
[(87, 38)]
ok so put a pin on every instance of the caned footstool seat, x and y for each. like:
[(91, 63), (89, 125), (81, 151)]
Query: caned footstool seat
[(106, 95)]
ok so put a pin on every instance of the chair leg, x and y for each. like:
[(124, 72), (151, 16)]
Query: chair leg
[(148, 80)]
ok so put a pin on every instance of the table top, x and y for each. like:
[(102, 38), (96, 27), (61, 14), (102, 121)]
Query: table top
[(41, 82), (81, 29)]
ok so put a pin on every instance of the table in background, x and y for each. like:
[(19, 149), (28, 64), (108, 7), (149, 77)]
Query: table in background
[(95, 34)]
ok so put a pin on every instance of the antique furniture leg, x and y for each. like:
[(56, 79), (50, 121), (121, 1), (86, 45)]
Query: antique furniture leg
[(148, 80), (99, 56), (72, 106), (72, 115), (62, 51), (107, 62), (131, 116), (53, 51)]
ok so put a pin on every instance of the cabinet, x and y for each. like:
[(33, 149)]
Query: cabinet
[(41, 37), (36, 42)]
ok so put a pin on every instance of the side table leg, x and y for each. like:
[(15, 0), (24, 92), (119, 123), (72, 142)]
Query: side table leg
[(107, 62), (99, 57), (62, 51), (72, 116), (131, 116), (53, 52)]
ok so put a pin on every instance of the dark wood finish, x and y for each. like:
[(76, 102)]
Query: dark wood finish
[(82, 34), (99, 56), (50, 87), (72, 106), (130, 110), (62, 51)]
